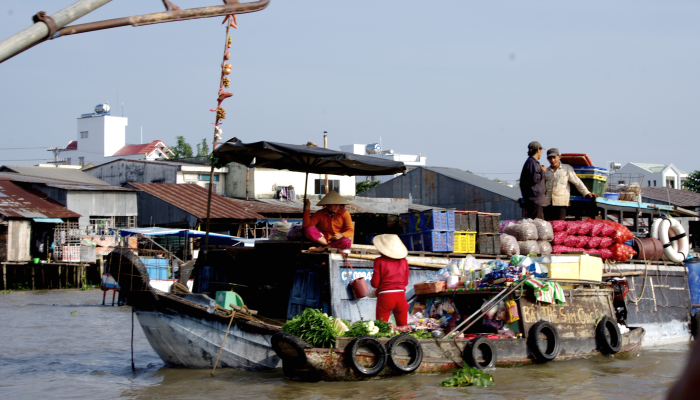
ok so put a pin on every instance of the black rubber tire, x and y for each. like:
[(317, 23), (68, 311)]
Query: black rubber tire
[(376, 347), (551, 350), (695, 325), (608, 336), (289, 347), (416, 356), (481, 345)]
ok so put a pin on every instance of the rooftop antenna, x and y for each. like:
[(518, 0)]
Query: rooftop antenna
[(141, 134), (381, 147)]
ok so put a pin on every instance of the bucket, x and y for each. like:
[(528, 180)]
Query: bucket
[(612, 196), (359, 288), (35, 261), (693, 266)]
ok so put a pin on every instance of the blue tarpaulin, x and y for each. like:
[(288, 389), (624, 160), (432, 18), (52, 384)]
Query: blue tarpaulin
[(49, 220)]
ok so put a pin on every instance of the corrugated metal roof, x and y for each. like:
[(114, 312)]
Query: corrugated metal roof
[(60, 184), (146, 148), (478, 181), (64, 174), (264, 207), (193, 199), (682, 198), (18, 202)]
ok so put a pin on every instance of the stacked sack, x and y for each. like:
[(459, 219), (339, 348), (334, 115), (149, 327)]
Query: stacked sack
[(592, 236), (527, 236)]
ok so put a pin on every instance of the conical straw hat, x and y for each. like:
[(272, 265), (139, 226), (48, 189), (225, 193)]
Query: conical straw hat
[(390, 246), (332, 198)]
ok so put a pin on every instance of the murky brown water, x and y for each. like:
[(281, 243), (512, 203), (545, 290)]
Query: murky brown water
[(47, 353)]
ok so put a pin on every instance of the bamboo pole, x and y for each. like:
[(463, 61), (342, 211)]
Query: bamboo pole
[(413, 263)]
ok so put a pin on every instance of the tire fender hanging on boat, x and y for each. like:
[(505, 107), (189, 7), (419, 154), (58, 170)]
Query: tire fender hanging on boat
[(397, 346), (608, 335), (289, 347), (366, 343), (480, 346), (551, 349)]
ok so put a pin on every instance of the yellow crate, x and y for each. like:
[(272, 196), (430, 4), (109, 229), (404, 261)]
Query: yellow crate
[(465, 242), (596, 177)]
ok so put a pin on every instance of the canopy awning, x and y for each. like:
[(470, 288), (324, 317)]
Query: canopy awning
[(214, 238)]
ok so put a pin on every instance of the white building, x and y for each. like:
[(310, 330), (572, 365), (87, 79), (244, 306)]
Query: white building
[(657, 175), (102, 138), (374, 150)]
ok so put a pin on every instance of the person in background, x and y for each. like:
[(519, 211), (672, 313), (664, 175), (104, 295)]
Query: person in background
[(329, 227), (390, 278), (558, 189), (532, 182)]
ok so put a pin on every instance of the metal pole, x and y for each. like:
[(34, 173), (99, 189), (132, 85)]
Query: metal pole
[(39, 31), (325, 146), (306, 184)]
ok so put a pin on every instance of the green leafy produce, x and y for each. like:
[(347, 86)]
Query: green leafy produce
[(359, 328), (384, 328), (314, 327), (421, 334), (469, 376)]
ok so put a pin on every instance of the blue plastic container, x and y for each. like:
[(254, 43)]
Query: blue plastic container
[(406, 223), (693, 266), (450, 241), (406, 240), (450, 220), (436, 241), (157, 267), (433, 220), (580, 170), (612, 196)]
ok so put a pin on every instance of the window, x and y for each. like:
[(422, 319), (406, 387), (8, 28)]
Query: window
[(81, 161), (654, 182), (189, 177), (84, 134), (67, 162), (671, 182), (333, 184), (205, 177), (649, 184)]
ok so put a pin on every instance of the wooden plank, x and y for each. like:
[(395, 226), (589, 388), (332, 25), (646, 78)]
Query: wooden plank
[(630, 273)]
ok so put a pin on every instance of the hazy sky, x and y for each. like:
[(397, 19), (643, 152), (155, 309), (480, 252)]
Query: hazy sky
[(468, 83)]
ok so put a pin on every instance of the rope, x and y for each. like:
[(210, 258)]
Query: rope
[(233, 315), (644, 279), (180, 288)]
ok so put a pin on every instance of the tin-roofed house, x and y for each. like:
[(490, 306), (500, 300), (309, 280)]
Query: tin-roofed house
[(451, 188)]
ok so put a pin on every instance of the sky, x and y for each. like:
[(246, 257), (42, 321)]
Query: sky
[(467, 83)]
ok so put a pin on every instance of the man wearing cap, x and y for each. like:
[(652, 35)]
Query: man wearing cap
[(532, 182), (558, 190), (330, 227)]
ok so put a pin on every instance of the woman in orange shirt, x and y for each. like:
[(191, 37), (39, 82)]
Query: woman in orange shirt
[(330, 227)]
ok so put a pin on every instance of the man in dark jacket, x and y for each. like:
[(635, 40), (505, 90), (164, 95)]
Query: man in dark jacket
[(532, 182)]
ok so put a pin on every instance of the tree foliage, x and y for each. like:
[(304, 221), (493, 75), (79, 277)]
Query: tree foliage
[(365, 186), (693, 182), (202, 149), (182, 149)]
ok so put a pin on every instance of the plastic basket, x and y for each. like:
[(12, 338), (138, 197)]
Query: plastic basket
[(433, 220), (465, 242), (465, 220), (591, 171), (593, 176), (435, 241), (594, 186), (490, 243), (487, 223), (619, 183), (406, 223)]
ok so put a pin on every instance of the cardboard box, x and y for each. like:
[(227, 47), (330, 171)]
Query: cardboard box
[(573, 268), (429, 287)]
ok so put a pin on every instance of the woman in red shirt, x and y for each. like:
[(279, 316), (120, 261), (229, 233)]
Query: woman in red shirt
[(390, 278), (330, 227)]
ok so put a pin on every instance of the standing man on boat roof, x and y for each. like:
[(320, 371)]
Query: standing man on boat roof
[(558, 189), (532, 182)]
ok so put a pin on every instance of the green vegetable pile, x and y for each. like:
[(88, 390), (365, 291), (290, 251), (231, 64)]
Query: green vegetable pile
[(469, 376), (315, 327), (376, 328), (421, 334)]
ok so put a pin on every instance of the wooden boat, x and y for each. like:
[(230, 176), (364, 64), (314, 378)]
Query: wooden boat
[(551, 333)]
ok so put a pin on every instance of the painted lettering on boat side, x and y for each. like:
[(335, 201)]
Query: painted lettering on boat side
[(346, 275), (561, 315)]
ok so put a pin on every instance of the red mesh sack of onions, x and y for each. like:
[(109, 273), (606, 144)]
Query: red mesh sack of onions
[(578, 249), (582, 241), (621, 252), (593, 242), (605, 243), (621, 234), (558, 249), (559, 237), (597, 227), (606, 231), (559, 226), (604, 253), (571, 241), (573, 227), (585, 228)]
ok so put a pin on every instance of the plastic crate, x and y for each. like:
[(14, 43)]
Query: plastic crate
[(406, 223), (435, 241), (433, 220), (594, 186), (487, 223), (465, 242), (465, 220), (450, 220), (591, 171), (593, 176), (450, 241), (576, 159), (415, 222), (406, 240), (490, 243)]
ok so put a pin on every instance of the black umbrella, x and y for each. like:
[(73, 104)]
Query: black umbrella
[(301, 158)]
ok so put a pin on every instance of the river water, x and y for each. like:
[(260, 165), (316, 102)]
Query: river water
[(63, 344)]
